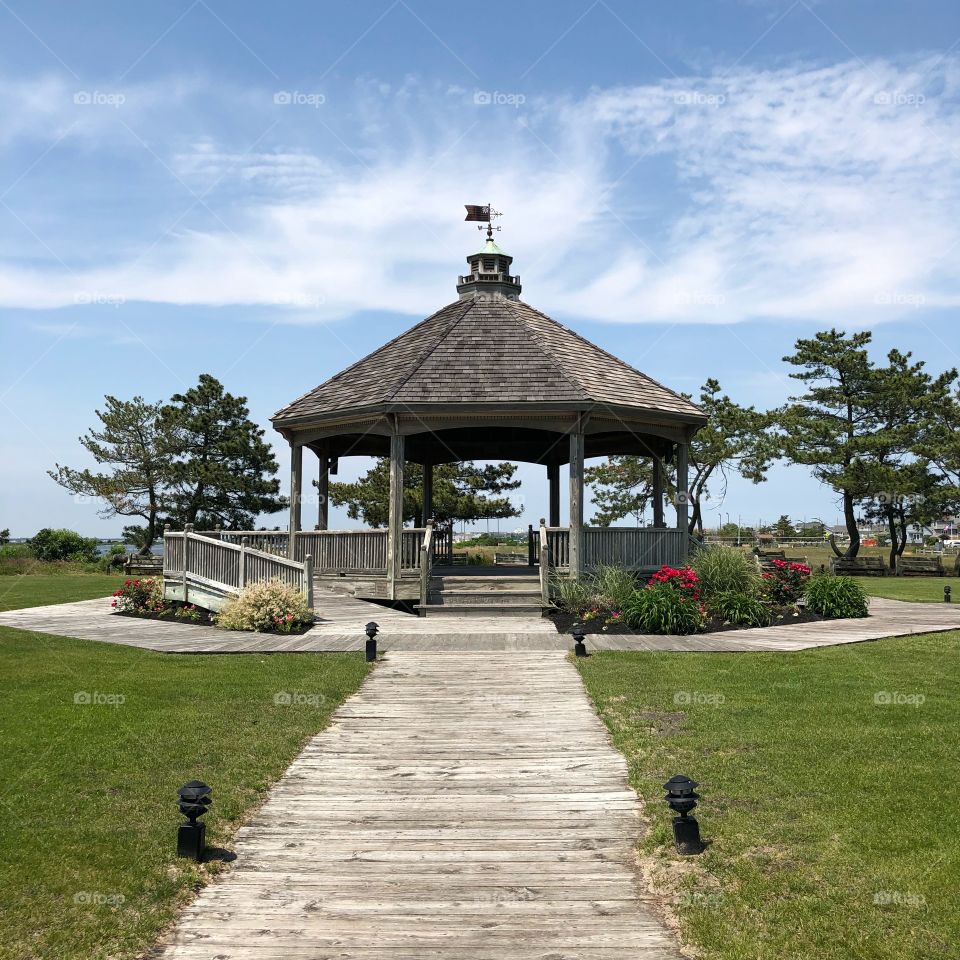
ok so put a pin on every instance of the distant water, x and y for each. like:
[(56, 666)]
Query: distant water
[(103, 546)]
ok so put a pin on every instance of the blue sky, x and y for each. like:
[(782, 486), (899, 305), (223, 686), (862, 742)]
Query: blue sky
[(268, 191)]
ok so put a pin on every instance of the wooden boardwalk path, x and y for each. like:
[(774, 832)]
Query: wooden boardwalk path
[(461, 807), (344, 619)]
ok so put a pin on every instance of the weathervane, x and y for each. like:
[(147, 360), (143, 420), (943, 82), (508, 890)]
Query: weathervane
[(485, 214)]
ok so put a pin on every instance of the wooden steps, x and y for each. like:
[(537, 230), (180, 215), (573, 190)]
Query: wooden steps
[(484, 596)]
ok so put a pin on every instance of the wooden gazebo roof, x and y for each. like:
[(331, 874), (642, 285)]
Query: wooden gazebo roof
[(479, 353)]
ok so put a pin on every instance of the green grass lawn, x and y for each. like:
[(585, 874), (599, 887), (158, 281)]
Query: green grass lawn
[(40, 589), (87, 849), (922, 589), (833, 819)]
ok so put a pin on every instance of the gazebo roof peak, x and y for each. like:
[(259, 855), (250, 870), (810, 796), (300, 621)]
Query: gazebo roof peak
[(489, 246)]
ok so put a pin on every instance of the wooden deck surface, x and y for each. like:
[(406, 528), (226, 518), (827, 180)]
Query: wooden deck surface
[(344, 618), (458, 807)]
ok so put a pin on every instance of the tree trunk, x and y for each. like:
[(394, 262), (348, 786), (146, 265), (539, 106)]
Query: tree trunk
[(151, 528), (850, 520), (894, 538)]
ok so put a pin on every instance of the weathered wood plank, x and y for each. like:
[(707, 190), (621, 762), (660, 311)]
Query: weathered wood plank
[(442, 815)]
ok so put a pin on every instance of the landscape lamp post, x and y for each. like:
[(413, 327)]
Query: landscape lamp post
[(682, 800), (194, 802), (579, 647), (946, 594), (371, 631)]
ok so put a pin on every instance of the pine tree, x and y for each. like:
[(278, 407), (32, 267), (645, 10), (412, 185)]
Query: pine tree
[(137, 448), (461, 491), (224, 472)]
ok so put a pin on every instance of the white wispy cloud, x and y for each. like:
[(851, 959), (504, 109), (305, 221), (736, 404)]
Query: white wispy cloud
[(812, 192)]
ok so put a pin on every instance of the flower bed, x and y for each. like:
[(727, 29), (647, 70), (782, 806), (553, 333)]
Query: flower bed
[(729, 595), (262, 608)]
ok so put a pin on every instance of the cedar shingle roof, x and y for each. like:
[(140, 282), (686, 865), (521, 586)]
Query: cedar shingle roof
[(487, 351)]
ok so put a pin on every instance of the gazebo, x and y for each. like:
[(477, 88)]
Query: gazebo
[(486, 377)]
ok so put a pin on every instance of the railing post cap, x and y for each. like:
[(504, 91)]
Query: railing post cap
[(543, 521)]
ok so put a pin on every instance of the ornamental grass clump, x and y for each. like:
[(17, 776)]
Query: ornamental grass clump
[(835, 597), (670, 603), (726, 570), (270, 606), (612, 586)]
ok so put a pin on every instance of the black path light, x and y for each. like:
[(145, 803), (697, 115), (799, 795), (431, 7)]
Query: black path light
[(946, 594), (371, 630), (194, 802), (682, 798), (579, 636)]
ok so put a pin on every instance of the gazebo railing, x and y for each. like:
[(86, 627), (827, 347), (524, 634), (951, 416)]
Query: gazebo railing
[(218, 568), (631, 547), (333, 551)]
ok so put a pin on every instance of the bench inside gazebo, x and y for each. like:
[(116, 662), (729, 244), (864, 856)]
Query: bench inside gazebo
[(487, 377)]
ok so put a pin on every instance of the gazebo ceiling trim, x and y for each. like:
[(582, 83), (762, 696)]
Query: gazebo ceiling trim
[(560, 423), (478, 355), (515, 443)]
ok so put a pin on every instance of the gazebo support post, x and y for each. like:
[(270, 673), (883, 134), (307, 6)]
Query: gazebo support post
[(395, 528), (323, 493), (683, 495), (427, 513), (553, 481), (658, 491), (576, 500), (296, 498)]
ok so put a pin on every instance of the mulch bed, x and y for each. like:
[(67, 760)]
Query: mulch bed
[(564, 621), (170, 618)]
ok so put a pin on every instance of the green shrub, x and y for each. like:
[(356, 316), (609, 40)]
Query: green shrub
[(835, 597), (266, 606), (787, 583), (741, 608), (662, 608), (726, 570), (144, 595), (114, 558), (63, 544), (16, 551), (611, 587)]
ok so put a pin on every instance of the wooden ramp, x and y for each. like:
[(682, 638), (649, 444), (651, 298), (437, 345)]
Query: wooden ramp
[(461, 806)]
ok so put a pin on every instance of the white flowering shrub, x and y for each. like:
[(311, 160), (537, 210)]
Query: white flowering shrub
[(267, 606)]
